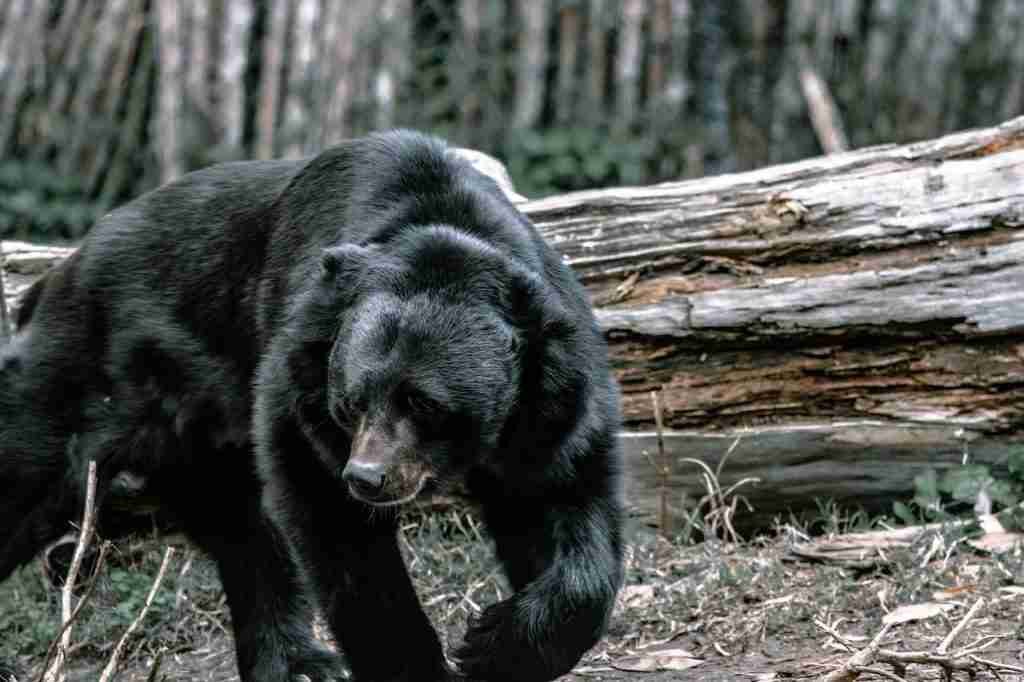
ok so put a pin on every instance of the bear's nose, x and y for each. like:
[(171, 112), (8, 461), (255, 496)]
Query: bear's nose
[(365, 478)]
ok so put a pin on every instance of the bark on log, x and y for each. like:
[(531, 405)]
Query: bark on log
[(856, 317)]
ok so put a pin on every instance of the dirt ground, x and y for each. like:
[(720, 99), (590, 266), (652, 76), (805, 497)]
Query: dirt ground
[(709, 611)]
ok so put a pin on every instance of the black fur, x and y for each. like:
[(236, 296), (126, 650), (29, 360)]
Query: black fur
[(275, 347)]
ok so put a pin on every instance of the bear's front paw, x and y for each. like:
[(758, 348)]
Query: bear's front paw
[(519, 640), (490, 643)]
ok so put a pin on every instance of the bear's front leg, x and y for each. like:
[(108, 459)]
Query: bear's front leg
[(565, 563), (350, 558), (274, 641), (272, 622)]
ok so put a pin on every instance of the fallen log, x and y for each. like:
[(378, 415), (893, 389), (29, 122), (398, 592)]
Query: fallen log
[(855, 318)]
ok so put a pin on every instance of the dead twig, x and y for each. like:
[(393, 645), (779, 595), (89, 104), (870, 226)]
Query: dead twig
[(861, 659), (881, 673), (154, 671), (111, 667), (180, 596), (955, 632), (93, 579), (663, 468), (962, 660), (55, 671)]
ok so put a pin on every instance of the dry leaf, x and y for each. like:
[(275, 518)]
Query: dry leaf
[(905, 614), (997, 543), (657, 661), (637, 596)]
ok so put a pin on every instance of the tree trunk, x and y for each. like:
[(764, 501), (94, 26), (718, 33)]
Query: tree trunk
[(67, 44), (853, 318), (628, 64), (533, 57), (26, 58), (394, 22), (597, 58), (215, 76), (270, 78), (252, 76), (110, 56), (661, 48), (348, 23), (284, 76), (821, 107), (112, 180), (171, 90), (567, 87)]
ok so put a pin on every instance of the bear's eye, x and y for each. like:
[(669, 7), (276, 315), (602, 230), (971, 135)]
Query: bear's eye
[(348, 409), (422, 405)]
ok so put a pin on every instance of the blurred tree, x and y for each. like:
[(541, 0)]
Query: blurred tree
[(434, 24), (253, 75), (113, 96), (707, 106)]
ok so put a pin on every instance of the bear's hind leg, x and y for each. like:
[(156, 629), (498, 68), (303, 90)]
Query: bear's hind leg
[(37, 500), (272, 622)]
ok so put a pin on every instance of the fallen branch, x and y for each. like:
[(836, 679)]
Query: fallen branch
[(961, 660), (859, 660)]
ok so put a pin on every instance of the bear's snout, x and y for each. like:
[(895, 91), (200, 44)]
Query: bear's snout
[(366, 479)]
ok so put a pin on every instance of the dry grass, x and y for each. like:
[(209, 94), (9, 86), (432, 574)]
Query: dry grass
[(732, 609)]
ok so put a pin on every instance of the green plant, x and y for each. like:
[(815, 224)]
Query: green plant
[(543, 162), (942, 496), (130, 589), (36, 201), (833, 518), (27, 618)]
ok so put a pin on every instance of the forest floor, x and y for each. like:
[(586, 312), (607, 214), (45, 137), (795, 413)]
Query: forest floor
[(709, 611)]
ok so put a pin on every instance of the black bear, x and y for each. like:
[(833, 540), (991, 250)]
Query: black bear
[(285, 352)]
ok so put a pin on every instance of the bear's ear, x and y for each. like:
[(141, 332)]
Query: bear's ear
[(554, 374), (341, 265), (535, 308)]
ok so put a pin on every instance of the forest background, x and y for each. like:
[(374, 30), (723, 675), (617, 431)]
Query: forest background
[(103, 99)]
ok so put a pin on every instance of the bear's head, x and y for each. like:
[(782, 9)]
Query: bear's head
[(446, 347)]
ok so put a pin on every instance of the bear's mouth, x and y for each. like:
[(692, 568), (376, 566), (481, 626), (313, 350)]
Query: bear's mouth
[(391, 495)]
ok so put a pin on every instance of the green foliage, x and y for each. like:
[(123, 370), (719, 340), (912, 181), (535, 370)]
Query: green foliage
[(28, 605), (543, 162), (939, 497), (129, 589), (833, 518), (36, 201)]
